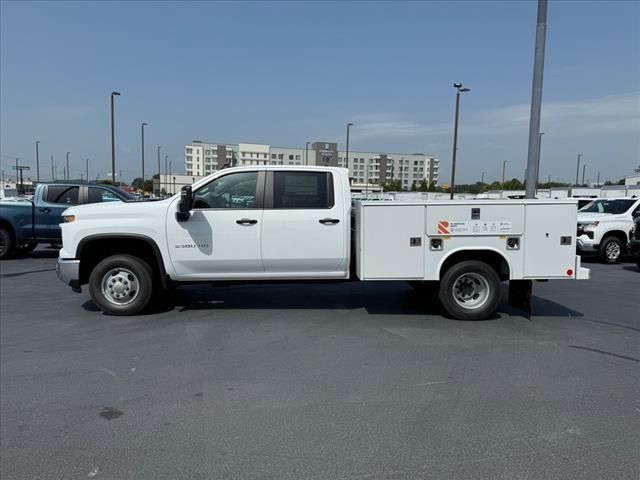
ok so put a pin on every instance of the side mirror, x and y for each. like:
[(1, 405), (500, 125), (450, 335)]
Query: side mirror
[(185, 204)]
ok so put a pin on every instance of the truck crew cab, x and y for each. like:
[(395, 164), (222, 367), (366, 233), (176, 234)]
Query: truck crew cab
[(277, 223)]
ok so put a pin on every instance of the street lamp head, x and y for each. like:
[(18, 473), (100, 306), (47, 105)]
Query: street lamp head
[(457, 85), (115, 93), (465, 89), (144, 124), (349, 124)]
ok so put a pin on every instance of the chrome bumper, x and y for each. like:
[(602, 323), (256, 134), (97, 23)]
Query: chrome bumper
[(69, 272), (585, 244)]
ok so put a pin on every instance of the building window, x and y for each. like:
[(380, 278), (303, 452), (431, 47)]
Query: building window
[(280, 156), (290, 157), (273, 156), (297, 157), (189, 150)]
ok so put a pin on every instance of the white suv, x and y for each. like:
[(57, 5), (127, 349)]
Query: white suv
[(604, 225)]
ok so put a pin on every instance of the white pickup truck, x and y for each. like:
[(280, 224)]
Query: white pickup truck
[(296, 224), (604, 225)]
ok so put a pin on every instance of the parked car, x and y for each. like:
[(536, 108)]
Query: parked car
[(603, 227), (25, 224), (273, 223), (634, 241)]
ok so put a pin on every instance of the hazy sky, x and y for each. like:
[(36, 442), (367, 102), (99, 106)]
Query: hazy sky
[(286, 73)]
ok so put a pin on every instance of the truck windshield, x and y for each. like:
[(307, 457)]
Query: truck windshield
[(608, 206)]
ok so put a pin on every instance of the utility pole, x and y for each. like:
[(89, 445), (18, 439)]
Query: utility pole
[(142, 128), (306, 153), (113, 141), (584, 167), (598, 183), (482, 180), (37, 162), (19, 168), (86, 166), (53, 170), (68, 174), (536, 100), (459, 88), (578, 168)]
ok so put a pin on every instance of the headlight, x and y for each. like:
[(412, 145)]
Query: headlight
[(591, 224), (69, 218)]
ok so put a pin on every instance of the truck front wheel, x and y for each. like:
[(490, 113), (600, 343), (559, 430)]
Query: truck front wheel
[(470, 290), (6, 243), (610, 250), (121, 285)]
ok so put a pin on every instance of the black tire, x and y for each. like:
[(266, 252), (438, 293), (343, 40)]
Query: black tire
[(123, 275), (611, 250), (6, 243), (474, 282), (27, 247)]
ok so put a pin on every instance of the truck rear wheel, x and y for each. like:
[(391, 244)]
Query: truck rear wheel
[(6, 243), (121, 285), (470, 290)]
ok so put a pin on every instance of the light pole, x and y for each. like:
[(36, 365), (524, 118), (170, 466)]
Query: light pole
[(578, 168), (504, 168), (482, 179), (459, 88), (159, 147), (536, 100), (306, 153), (142, 143), (166, 162), (37, 162), (113, 141), (53, 170), (598, 182), (349, 125), (67, 170), (86, 167), (538, 165), (170, 165), (584, 167)]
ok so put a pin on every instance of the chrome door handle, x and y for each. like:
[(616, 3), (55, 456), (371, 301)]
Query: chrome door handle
[(45, 210), (329, 221), (246, 221)]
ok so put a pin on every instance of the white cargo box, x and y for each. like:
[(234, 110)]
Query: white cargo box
[(535, 239)]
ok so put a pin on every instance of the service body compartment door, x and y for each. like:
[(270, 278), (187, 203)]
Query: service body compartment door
[(549, 243), (393, 242)]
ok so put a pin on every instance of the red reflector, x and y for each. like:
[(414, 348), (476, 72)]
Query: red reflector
[(569, 272)]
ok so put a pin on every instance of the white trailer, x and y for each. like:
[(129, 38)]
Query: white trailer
[(268, 223)]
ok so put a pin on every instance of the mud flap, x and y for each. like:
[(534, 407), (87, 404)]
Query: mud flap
[(520, 294)]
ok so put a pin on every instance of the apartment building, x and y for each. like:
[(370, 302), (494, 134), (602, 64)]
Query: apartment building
[(366, 168)]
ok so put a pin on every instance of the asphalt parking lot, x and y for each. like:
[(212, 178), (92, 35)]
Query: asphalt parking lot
[(318, 381)]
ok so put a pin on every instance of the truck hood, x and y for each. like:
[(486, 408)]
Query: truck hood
[(116, 209), (587, 217)]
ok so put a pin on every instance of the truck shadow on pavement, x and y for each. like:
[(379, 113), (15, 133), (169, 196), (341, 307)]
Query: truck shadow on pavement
[(381, 298)]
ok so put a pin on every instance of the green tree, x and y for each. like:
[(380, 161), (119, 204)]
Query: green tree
[(414, 188)]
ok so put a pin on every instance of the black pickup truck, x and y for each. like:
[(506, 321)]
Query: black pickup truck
[(25, 223)]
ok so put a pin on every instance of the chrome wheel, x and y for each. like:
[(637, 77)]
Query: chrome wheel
[(613, 251), (471, 290), (120, 286)]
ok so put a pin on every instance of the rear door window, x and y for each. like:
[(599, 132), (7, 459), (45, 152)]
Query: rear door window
[(63, 194), (302, 190), (99, 195)]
